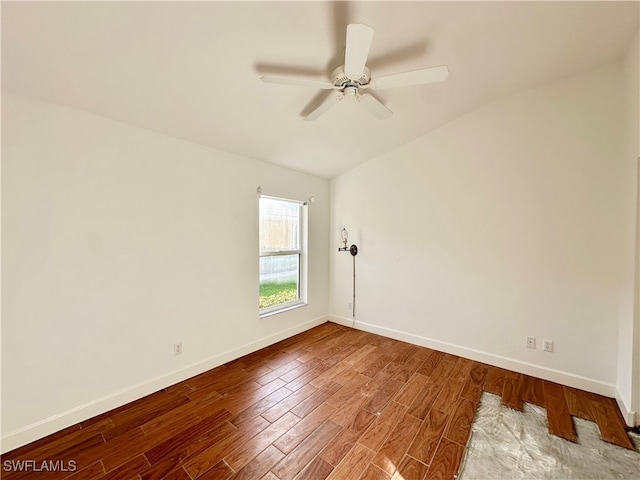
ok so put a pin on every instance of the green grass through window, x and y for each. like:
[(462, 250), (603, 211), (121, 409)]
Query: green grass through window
[(277, 293)]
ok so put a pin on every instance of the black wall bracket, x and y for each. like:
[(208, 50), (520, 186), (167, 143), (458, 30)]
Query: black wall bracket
[(353, 250)]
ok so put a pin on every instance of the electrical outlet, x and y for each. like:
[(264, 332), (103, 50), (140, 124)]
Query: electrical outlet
[(531, 342), (349, 306), (547, 345), (177, 348)]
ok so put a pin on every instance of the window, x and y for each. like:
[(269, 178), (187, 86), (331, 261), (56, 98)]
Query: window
[(282, 259)]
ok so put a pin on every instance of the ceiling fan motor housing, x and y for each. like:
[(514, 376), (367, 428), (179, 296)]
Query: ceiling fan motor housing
[(340, 79)]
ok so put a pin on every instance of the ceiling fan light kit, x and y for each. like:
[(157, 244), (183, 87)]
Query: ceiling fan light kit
[(352, 78)]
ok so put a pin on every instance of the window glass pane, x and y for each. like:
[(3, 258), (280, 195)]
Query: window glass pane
[(279, 225), (279, 279)]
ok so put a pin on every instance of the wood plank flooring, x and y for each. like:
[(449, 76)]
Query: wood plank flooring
[(330, 403)]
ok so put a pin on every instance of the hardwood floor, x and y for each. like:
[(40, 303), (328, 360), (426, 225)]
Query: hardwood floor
[(330, 403)]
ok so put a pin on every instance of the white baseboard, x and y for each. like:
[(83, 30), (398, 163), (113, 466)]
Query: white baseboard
[(50, 425), (630, 417), (565, 378)]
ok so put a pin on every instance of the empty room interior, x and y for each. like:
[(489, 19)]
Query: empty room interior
[(309, 240)]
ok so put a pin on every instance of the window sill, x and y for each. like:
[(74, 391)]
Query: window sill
[(285, 308)]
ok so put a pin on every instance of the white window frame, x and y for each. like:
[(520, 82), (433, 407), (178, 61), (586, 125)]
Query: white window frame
[(302, 259)]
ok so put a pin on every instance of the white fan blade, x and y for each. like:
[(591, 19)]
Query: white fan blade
[(297, 81), (374, 107), (326, 105), (415, 77), (359, 37)]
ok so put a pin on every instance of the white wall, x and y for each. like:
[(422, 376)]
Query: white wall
[(118, 242), (512, 220)]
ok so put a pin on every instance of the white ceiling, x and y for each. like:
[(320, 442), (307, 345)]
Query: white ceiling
[(191, 69)]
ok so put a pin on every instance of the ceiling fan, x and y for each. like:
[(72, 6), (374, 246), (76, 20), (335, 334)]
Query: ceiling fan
[(353, 79)]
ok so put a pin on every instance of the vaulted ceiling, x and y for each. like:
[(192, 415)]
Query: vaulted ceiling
[(192, 69)]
